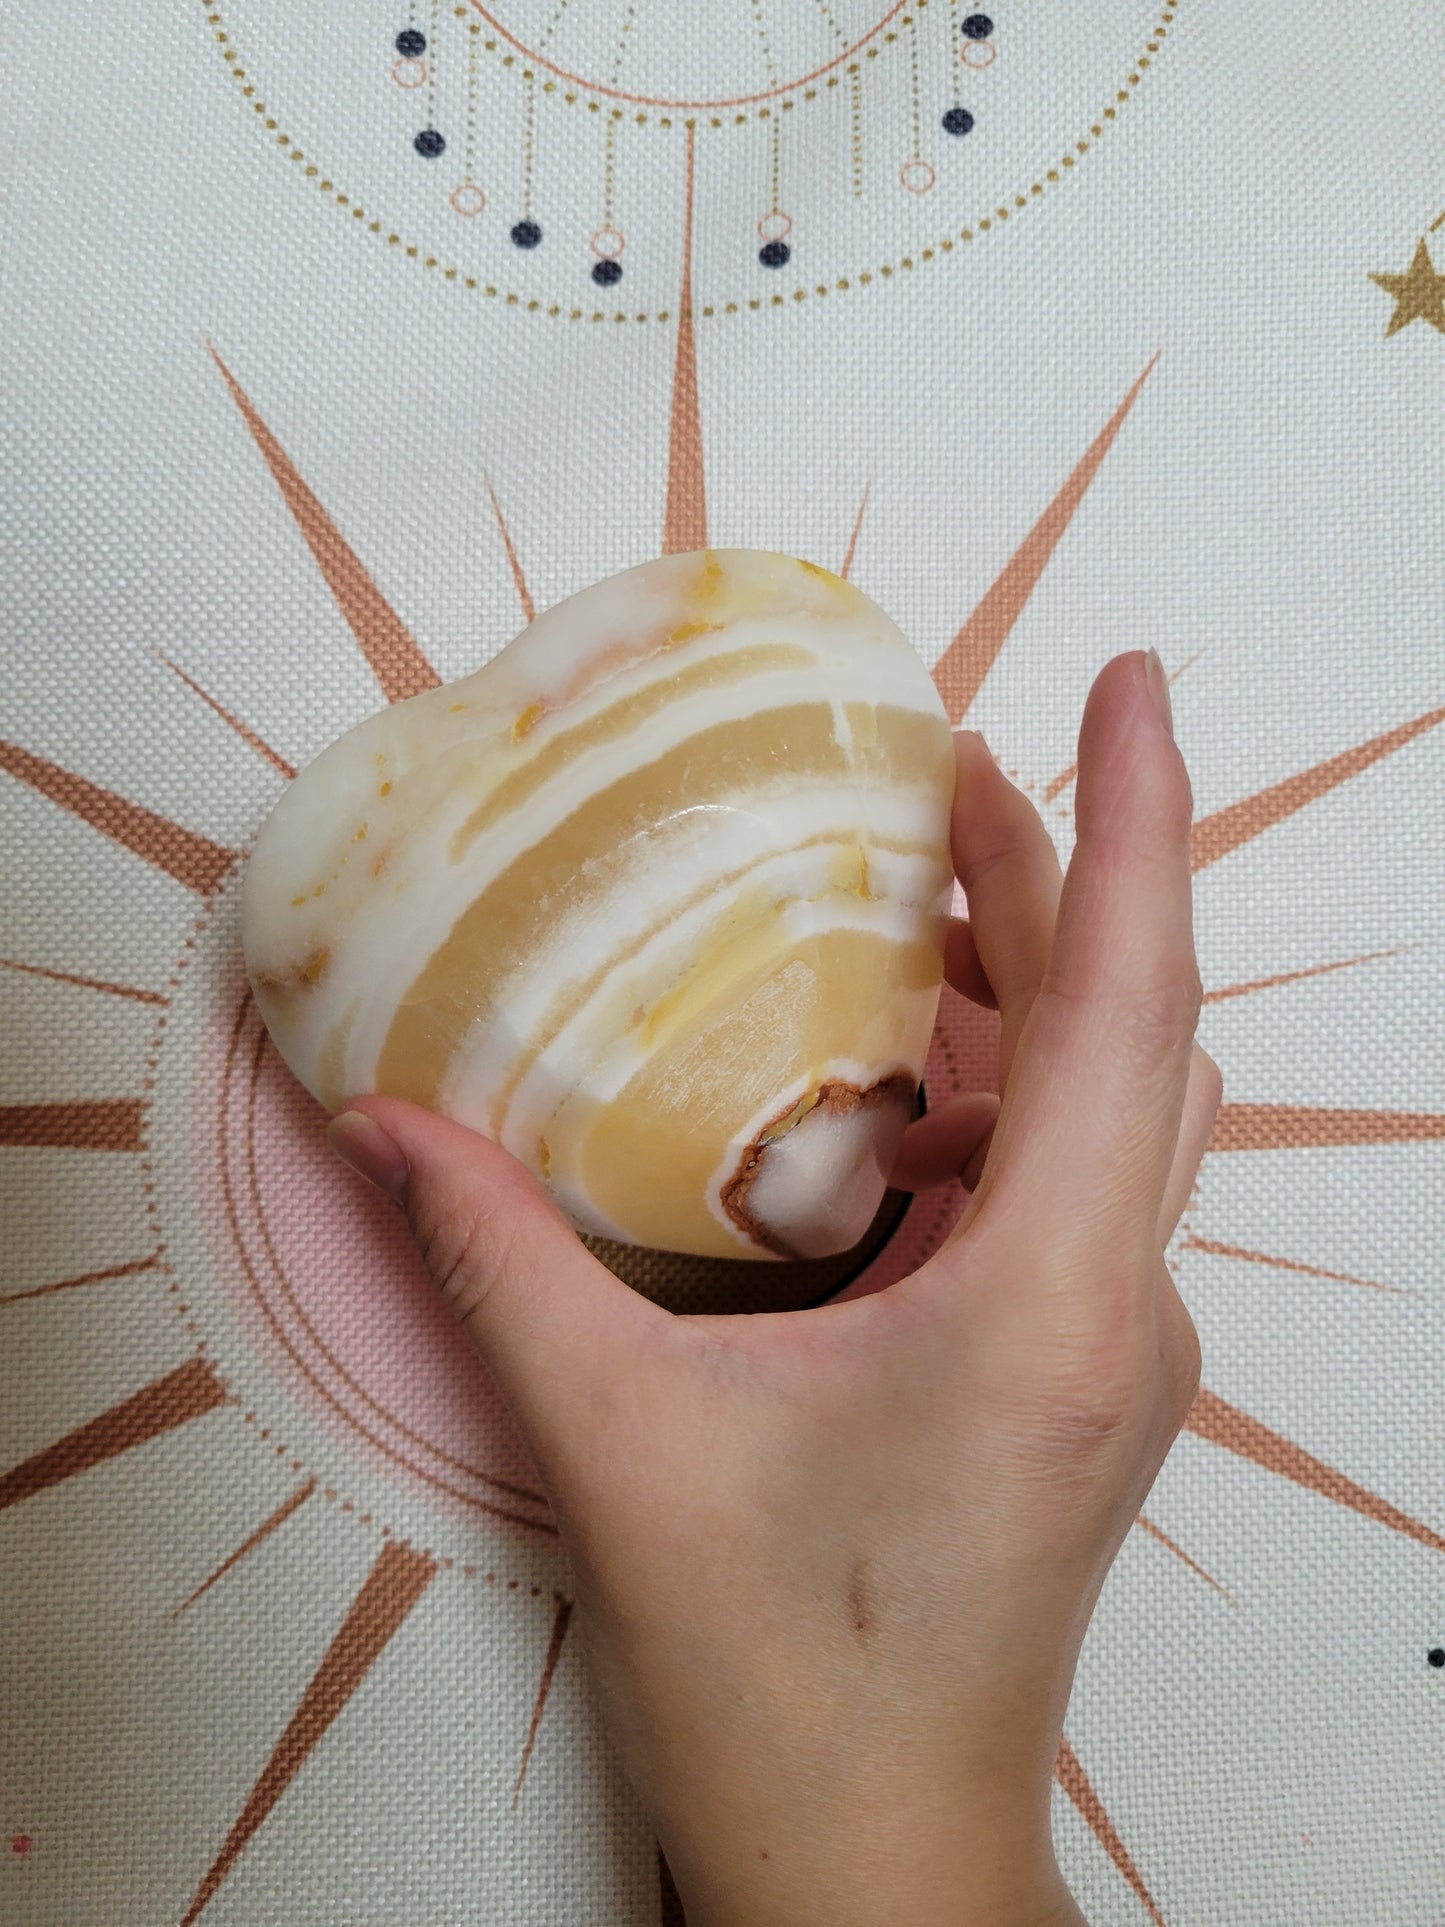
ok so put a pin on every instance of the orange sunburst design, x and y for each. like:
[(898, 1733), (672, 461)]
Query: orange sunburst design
[(524, 594), (1222, 1424), (86, 983), (1215, 836), (964, 667), (184, 1394), (544, 1686), (243, 730), (86, 1278), (973, 651), (1304, 1127), (89, 1124), (263, 1531), (393, 1586), (684, 522), (1076, 1783), (186, 855), (1298, 976), (396, 660), (1215, 1249), (1156, 1532)]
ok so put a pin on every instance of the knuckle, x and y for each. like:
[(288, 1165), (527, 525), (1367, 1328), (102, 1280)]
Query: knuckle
[(1159, 1019)]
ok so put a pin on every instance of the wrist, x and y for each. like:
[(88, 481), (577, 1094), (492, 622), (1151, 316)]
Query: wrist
[(989, 1870)]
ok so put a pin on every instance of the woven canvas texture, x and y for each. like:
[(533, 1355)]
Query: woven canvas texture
[(337, 340)]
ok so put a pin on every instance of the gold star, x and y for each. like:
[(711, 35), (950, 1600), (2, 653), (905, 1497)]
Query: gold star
[(1418, 295)]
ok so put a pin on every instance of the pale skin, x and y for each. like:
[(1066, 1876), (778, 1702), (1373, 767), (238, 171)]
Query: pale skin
[(834, 1567)]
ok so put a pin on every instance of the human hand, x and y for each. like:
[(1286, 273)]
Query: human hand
[(833, 1567)]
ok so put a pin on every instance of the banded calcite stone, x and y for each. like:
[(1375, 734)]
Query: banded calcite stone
[(655, 899)]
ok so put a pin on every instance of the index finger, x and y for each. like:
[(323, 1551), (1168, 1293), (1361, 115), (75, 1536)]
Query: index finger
[(1091, 1116)]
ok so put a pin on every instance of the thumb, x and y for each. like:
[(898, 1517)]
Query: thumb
[(554, 1326)]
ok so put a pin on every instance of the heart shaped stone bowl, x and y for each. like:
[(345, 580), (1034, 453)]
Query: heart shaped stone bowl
[(655, 899)]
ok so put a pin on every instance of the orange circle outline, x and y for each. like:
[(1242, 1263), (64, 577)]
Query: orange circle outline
[(775, 214), (978, 66), (409, 86), (917, 161), (467, 213), (660, 100), (602, 253)]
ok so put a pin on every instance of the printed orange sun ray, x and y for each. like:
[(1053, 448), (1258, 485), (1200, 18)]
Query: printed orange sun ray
[(1225, 1425), (86, 1278), (263, 1531), (87, 1124), (1076, 1783), (1213, 1248), (243, 730), (961, 670), (1066, 776), (395, 658), (524, 594), (1157, 1532), (186, 855), (684, 521), (392, 1588), (1227, 829), (1306, 1127), (86, 983), (847, 569), (187, 1393), (1298, 976), (549, 1669)]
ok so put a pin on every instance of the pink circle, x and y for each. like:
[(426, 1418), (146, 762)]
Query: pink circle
[(775, 226), (978, 53), (468, 200), (409, 74), (608, 243), (330, 1285), (917, 176)]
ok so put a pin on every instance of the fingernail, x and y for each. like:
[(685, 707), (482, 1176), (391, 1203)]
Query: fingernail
[(1159, 689), (360, 1142)]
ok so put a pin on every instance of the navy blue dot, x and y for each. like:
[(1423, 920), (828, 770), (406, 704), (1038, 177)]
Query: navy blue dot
[(775, 254), (526, 234), (410, 43), (957, 120), (978, 26), (1436, 1655), (430, 143), (606, 273)]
